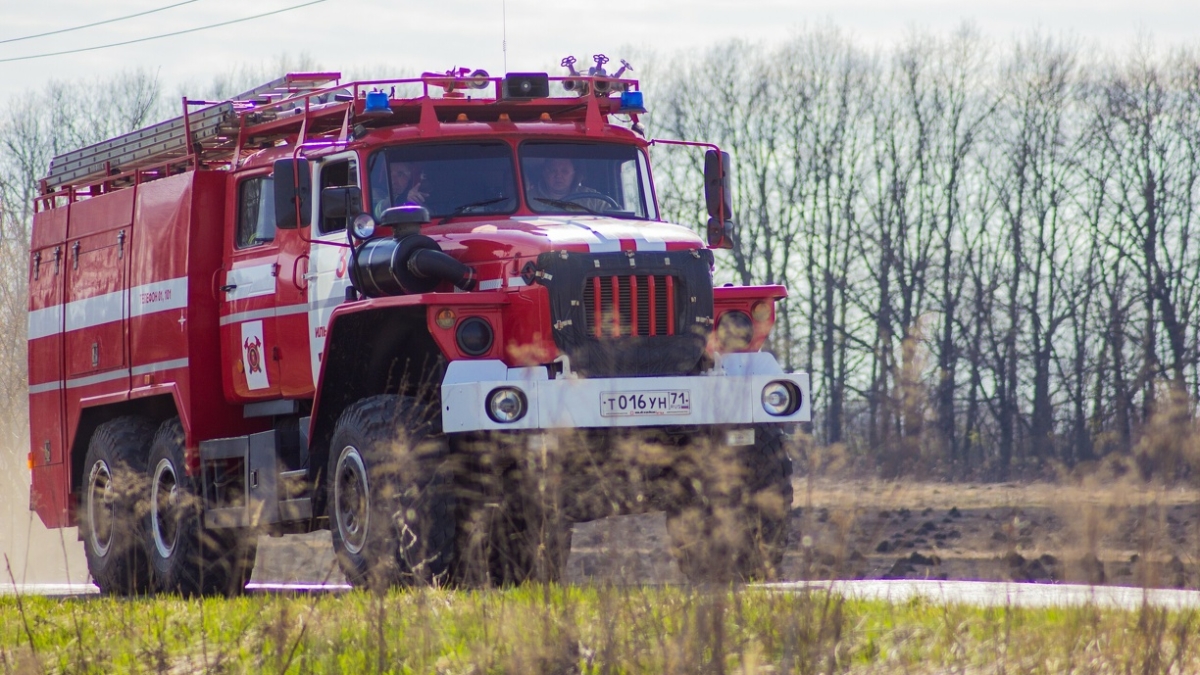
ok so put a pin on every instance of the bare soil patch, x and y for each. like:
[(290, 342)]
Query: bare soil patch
[(1125, 533)]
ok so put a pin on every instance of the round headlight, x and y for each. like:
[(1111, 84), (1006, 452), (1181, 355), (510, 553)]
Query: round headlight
[(474, 336), (780, 398), (506, 404), (363, 226), (734, 331)]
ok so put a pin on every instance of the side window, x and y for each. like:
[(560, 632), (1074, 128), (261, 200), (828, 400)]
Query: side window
[(340, 173), (630, 185), (256, 212)]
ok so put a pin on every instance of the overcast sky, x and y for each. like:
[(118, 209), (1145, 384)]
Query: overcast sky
[(376, 35)]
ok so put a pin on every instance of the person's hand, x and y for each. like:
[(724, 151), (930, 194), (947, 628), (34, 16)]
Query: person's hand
[(416, 195)]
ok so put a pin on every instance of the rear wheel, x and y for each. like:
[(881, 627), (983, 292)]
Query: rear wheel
[(735, 527), (390, 506), (184, 557), (112, 502)]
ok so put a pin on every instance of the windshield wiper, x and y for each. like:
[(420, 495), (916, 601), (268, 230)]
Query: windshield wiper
[(461, 210), (563, 204)]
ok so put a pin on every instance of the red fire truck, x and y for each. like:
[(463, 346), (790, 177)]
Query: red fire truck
[(440, 316)]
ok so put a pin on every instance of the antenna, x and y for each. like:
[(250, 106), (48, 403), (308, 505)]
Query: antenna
[(504, 29)]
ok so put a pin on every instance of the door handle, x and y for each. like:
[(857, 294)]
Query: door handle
[(228, 287)]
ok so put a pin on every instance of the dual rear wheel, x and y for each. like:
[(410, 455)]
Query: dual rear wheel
[(141, 517)]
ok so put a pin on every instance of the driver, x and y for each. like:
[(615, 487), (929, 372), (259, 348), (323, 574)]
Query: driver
[(404, 179), (558, 181)]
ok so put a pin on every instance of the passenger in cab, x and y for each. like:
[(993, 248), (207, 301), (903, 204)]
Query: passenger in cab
[(558, 186)]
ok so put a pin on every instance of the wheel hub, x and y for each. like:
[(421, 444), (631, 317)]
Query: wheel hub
[(101, 504), (352, 499), (164, 508)]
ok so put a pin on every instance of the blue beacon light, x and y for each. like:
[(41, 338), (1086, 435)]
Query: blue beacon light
[(631, 102), (377, 104)]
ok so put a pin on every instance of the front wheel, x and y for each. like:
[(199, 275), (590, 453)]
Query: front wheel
[(184, 557), (390, 506), (735, 526)]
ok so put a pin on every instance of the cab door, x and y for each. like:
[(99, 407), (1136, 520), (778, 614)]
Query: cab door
[(249, 335), (329, 254)]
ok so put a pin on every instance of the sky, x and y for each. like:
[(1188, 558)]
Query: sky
[(404, 37)]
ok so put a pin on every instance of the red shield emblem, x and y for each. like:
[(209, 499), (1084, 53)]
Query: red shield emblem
[(253, 355)]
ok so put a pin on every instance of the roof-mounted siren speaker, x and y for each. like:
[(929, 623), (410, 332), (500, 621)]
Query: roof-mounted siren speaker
[(526, 85)]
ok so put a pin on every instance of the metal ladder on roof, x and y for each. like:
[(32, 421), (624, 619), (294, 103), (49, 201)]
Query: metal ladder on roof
[(213, 130)]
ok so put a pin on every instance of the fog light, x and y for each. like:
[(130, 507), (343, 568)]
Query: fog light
[(780, 398), (506, 405), (761, 311), (474, 336), (734, 331)]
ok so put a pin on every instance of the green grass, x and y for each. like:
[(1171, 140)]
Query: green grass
[(589, 629)]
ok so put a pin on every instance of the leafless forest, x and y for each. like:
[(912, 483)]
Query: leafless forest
[(991, 245)]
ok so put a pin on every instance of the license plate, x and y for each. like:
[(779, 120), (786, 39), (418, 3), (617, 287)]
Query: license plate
[(637, 403)]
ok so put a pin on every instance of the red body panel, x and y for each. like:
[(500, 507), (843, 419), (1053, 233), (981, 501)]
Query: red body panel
[(131, 313)]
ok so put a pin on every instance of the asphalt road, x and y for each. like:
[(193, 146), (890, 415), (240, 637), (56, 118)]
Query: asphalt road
[(982, 593)]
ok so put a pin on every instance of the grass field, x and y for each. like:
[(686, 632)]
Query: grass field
[(587, 629)]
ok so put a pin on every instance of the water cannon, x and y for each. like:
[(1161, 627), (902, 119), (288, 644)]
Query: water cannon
[(457, 78), (600, 84), (576, 85)]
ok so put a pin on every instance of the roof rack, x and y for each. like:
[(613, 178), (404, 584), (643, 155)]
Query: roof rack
[(211, 130), (307, 108)]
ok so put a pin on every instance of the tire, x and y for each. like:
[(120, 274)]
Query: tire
[(511, 528), (736, 530), (111, 504), (184, 557), (390, 504)]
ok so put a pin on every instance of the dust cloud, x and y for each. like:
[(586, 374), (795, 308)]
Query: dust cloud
[(35, 554)]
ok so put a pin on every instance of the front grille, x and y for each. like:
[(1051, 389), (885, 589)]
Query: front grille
[(630, 305), (630, 313)]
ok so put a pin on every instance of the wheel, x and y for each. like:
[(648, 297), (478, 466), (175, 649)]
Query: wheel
[(736, 530), (111, 502), (511, 528), (390, 505), (184, 557)]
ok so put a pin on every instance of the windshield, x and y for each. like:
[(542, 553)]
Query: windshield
[(448, 179), (586, 178)]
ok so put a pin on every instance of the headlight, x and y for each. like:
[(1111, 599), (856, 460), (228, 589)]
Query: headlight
[(780, 398), (506, 404), (363, 226), (474, 336), (734, 331)]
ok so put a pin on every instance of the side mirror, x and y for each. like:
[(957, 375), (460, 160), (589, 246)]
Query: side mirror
[(718, 198), (720, 235), (293, 194), (341, 202)]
